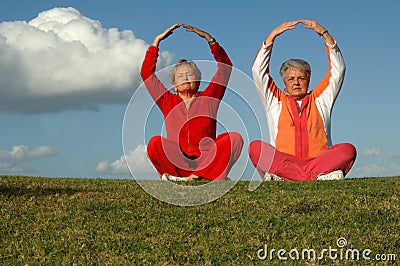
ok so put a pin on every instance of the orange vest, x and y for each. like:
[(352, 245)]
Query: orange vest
[(305, 134)]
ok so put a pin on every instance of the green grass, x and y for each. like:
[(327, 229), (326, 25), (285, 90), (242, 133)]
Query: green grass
[(115, 222)]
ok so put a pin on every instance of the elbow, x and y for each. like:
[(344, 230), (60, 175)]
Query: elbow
[(225, 68), (144, 73), (343, 69), (258, 68), (254, 70)]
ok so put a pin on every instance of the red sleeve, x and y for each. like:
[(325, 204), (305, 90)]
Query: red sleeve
[(220, 80), (154, 86)]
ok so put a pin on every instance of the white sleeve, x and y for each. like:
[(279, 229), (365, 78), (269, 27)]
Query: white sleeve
[(328, 89), (261, 76)]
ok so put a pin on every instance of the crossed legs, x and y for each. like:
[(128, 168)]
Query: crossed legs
[(214, 163), (267, 159)]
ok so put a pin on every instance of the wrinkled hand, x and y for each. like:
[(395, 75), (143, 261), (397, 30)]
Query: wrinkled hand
[(165, 34), (198, 31), (319, 29), (313, 25), (285, 26)]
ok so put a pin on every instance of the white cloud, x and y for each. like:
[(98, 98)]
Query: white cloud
[(63, 60), (10, 161), (371, 152), (394, 155), (138, 163), (374, 170)]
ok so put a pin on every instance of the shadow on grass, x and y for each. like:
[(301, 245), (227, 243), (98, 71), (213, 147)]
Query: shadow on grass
[(24, 191)]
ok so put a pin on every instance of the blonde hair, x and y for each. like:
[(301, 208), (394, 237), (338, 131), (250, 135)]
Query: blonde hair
[(184, 62)]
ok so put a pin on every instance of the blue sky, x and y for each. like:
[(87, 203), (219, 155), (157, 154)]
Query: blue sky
[(63, 100)]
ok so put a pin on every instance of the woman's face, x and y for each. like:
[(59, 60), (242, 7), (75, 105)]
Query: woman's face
[(296, 83), (186, 80)]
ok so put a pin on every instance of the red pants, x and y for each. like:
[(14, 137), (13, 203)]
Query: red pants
[(267, 159), (216, 159)]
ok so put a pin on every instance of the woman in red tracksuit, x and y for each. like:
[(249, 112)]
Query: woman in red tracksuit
[(191, 149)]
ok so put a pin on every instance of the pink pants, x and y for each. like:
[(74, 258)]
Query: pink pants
[(267, 159), (216, 159)]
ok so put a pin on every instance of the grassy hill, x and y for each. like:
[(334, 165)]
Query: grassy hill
[(115, 222)]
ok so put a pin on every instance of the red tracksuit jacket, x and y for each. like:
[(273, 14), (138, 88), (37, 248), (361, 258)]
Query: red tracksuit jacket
[(189, 126)]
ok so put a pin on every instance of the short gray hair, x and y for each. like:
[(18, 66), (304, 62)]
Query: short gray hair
[(296, 63), (184, 62)]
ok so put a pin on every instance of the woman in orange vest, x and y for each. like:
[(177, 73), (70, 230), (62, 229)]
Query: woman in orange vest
[(299, 121)]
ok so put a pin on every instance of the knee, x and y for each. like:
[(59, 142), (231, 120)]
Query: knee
[(260, 149), (256, 146), (236, 139), (254, 150), (348, 150), (154, 145)]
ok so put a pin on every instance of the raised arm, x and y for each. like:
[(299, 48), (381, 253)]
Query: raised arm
[(319, 29), (266, 87), (167, 32), (285, 26), (221, 77), (199, 32), (150, 60), (153, 84), (329, 87), (218, 52)]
